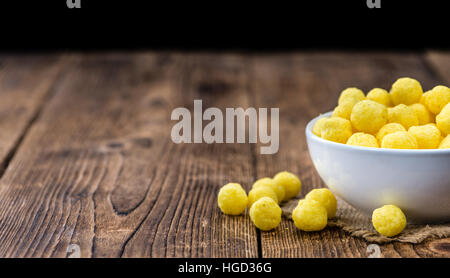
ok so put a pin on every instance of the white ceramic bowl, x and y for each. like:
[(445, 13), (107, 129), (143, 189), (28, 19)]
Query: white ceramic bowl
[(417, 181)]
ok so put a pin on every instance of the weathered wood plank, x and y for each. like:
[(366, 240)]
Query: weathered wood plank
[(25, 84), (98, 168), (303, 86), (197, 228), (440, 63)]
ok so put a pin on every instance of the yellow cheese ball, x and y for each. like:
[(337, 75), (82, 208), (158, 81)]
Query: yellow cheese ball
[(336, 129), (317, 129), (310, 216), (381, 96), (443, 120), (262, 191), (265, 214), (300, 202), (277, 188), (406, 91), (399, 140), (353, 95), (368, 116), (290, 182), (388, 220), (437, 98), (363, 140), (388, 129), (445, 143), (423, 114), (232, 199), (424, 97), (343, 110), (428, 136), (403, 115), (325, 198)]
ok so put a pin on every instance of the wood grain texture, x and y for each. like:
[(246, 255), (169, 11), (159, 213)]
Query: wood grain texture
[(303, 86), (25, 84), (98, 167), (197, 228), (440, 63)]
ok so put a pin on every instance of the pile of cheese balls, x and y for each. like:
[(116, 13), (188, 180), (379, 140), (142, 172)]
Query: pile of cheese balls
[(312, 212), (404, 118), (263, 201)]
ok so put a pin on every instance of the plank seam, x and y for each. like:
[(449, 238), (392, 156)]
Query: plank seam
[(254, 159), (430, 68), (51, 92)]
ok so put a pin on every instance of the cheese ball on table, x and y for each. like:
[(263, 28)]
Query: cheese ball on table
[(310, 216), (268, 182), (437, 98), (381, 96), (399, 140), (403, 115), (369, 116), (257, 193), (428, 136), (362, 139), (265, 214), (325, 198), (423, 115), (336, 129), (232, 199), (388, 220), (388, 129), (406, 91), (290, 182), (317, 129), (445, 143), (443, 120), (352, 95)]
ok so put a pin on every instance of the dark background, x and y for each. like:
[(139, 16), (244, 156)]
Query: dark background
[(223, 25)]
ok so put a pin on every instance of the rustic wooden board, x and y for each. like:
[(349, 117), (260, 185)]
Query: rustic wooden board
[(440, 63), (25, 84), (196, 227), (95, 165), (98, 168), (303, 86)]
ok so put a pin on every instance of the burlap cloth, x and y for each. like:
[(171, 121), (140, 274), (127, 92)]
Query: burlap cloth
[(359, 225)]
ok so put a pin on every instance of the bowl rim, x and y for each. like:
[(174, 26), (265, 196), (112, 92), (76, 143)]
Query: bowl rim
[(310, 135)]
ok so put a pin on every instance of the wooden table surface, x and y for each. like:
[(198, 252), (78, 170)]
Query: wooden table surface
[(87, 159)]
